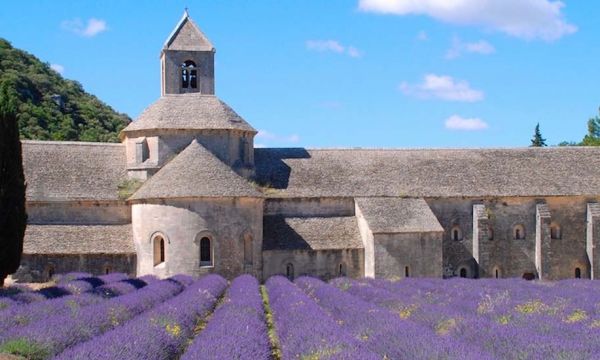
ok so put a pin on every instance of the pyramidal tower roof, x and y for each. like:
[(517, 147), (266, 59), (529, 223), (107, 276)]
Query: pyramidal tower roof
[(187, 36), (194, 173)]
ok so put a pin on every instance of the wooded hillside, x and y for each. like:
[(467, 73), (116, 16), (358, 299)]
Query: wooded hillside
[(53, 108)]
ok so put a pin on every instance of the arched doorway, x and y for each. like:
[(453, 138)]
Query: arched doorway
[(577, 273), (463, 272)]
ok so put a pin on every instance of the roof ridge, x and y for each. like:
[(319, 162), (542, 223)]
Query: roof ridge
[(81, 143)]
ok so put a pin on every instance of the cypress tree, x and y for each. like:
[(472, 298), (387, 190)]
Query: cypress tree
[(13, 217), (538, 140)]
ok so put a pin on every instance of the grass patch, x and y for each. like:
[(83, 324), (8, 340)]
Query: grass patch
[(273, 338), (25, 349), (128, 187)]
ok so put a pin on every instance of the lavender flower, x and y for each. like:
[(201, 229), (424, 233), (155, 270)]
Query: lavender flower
[(55, 333), (237, 329), (305, 330), (159, 333)]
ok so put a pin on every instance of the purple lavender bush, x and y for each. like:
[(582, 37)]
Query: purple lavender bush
[(305, 331), (237, 329), (52, 335), (382, 331), (24, 314), (160, 333)]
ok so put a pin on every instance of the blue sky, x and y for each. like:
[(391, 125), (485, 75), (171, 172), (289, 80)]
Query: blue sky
[(360, 73)]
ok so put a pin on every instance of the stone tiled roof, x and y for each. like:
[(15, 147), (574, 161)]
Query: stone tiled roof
[(187, 36), (189, 112), (318, 233), (78, 239), (63, 171), (195, 172), (397, 215), (554, 171)]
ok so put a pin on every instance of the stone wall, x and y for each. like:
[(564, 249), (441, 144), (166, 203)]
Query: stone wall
[(79, 212), (324, 264), (38, 267), (419, 253), (498, 250), (182, 223), (164, 145), (310, 207)]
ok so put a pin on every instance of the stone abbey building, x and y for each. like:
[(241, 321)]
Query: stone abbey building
[(187, 192)]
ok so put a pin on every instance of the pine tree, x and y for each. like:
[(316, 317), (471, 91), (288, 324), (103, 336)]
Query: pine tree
[(593, 136), (13, 218), (538, 140)]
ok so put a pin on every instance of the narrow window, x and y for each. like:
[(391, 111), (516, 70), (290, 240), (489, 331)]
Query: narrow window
[(497, 274), (463, 273), (159, 250), (193, 79), (577, 273), (205, 252), (107, 270), (184, 78), (189, 75), (490, 233), (555, 231), (142, 152), (341, 271), (406, 271), (456, 233), (247, 249), (519, 232), (289, 271), (50, 272)]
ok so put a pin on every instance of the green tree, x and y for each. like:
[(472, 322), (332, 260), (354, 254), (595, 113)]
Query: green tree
[(13, 217), (538, 140), (592, 138)]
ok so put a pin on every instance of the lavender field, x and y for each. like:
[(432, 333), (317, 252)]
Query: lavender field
[(115, 317)]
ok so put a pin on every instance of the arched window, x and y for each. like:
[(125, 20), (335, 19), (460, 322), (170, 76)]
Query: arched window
[(528, 276), (497, 273), (406, 271), (577, 273), (519, 232), (247, 249), (289, 271), (107, 269), (555, 231), (490, 233), (463, 272), (205, 252), (341, 270), (159, 250), (189, 75), (456, 233)]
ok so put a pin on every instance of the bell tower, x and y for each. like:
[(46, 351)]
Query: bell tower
[(187, 60)]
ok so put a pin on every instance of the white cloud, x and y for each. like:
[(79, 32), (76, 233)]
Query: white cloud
[(266, 136), (456, 122), (458, 47), (444, 88), (422, 36), (353, 52), (526, 19), (332, 46), (92, 28), (58, 68)]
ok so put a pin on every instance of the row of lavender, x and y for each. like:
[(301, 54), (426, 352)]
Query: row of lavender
[(369, 319), (508, 319)]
